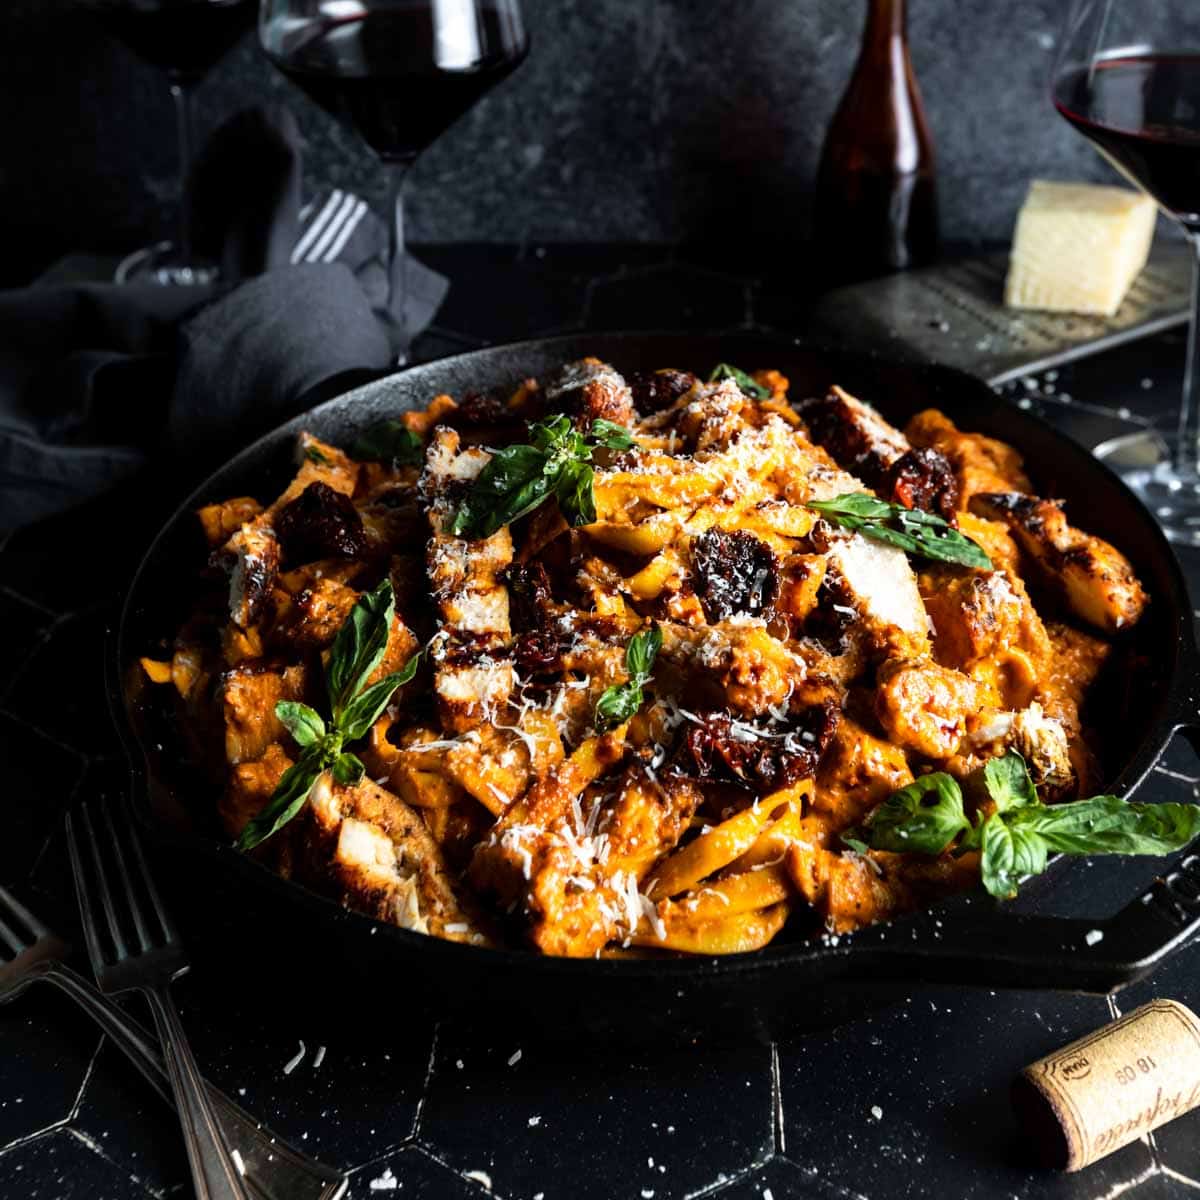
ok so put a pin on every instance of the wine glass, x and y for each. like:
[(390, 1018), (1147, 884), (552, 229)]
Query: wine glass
[(185, 39), (1127, 76), (398, 71)]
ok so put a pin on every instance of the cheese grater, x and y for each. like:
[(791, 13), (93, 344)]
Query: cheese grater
[(954, 314)]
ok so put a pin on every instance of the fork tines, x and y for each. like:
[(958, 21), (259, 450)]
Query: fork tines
[(111, 877), (17, 923)]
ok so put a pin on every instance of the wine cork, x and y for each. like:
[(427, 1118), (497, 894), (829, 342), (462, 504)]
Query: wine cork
[(1115, 1085)]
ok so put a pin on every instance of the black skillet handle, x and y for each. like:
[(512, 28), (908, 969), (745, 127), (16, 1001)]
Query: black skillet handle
[(974, 940)]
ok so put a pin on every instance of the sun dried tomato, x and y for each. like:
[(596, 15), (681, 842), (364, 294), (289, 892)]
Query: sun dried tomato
[(655, 390), (735, 573), (320, 523), (923, 478), (762, 757), (528, 596), (536, 653)]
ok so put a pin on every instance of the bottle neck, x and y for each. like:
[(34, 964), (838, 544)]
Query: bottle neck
[(887, 22)]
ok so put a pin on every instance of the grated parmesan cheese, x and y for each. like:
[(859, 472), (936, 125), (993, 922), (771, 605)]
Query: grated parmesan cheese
[(296, 1059)]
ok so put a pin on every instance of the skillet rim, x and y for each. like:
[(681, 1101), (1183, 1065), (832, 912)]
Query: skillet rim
[(811, 952)]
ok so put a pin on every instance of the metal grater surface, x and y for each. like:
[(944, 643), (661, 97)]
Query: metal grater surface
[(954, 314)]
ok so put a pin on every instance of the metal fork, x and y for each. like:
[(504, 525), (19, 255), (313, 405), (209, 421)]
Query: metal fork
[(274, 1170), (133, 944)]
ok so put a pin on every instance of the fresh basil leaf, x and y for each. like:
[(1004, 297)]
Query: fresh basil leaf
[(925, 817), (359, 646), (574, 491), (407, 673), (854, 504), (1110, 825), (389, 441), (1010, 852), (517, 479), (364, 710), (617, 704), (938, 539), (923, 534), (855, 845), (610, 435), (747, 384), (1008, 783), (554, 435), (286, 801), (348, 769), (641, 652), (315, 455), (621, 701), (513, 482), (302, 722)]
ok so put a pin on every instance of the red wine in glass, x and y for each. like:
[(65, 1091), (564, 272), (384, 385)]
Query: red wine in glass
[(186, 39), (1143, 112), (399, 72), (380, 73), (1127, 76)]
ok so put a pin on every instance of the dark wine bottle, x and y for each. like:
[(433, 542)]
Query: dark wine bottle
[(876, 199)]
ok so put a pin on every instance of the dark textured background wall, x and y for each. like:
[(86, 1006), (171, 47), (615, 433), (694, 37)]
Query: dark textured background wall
[(640, 120)]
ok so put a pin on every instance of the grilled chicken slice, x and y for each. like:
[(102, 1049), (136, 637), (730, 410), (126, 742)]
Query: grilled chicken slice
[(473, 674), (857, 437), (862, 442), (252, 558), (1093, 578), (1041, 740), (369, 849), (877, 582)]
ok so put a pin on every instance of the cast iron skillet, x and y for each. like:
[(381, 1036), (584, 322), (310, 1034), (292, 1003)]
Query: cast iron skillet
[(969, 940)]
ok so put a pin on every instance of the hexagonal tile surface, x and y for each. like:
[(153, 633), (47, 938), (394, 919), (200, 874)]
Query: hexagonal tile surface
[(594, 1121), (120, 1113), (351, 1097), (62, 1166), (777, 1179), (924, 1088), (47, 1049), (412, 1174)]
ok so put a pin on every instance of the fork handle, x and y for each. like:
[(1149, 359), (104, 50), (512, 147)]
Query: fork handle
[(214, 1172), (274, 1170)]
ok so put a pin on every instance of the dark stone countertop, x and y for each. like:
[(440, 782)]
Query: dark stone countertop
[(907, 1101)]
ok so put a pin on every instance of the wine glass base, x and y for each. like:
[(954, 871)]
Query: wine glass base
[(161, 264), (1145, 462)]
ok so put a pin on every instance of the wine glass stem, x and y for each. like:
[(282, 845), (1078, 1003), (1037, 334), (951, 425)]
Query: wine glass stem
[(181, 94), (397, 259), (1187, 449)]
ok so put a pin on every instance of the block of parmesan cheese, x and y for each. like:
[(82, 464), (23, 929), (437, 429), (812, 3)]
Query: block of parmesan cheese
[(1078, 247)]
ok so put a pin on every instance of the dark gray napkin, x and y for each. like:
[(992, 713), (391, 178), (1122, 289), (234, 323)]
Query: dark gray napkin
[(96, 379)]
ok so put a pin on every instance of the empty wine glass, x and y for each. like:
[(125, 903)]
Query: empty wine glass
[(185, 39), (1127, 76), (398, 71)]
